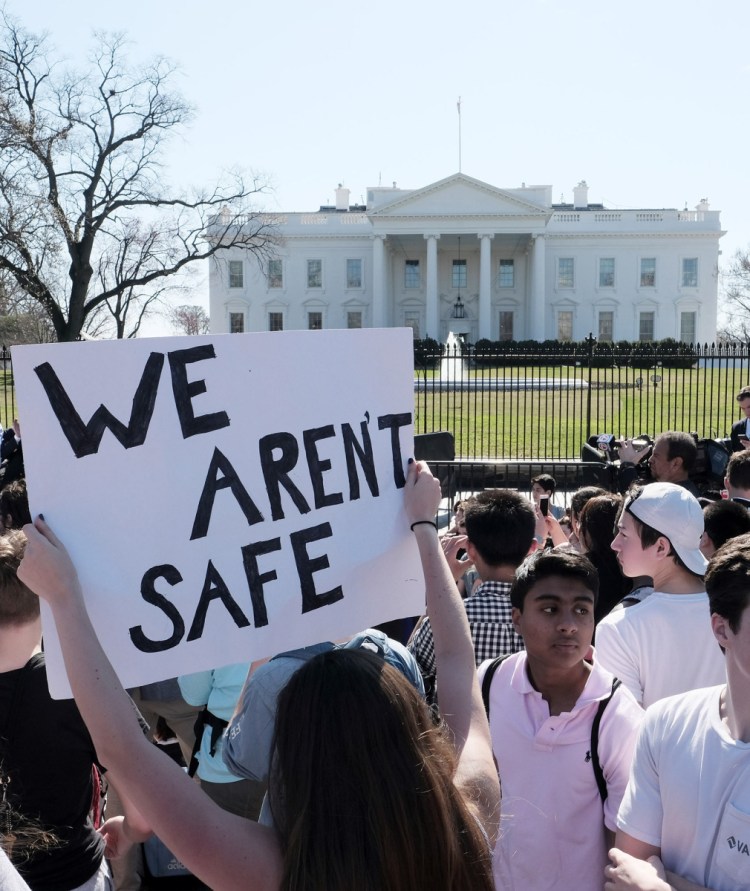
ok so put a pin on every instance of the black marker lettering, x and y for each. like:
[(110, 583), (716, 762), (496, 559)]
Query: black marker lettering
[(394, 422), (366, 460), (214, 588), (256, 579), (276, 471), (149, 593), (185, 390), (222, 475), (307, 565), (85, 439), (318, 466)]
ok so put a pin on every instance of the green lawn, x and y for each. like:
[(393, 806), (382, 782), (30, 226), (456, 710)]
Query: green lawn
[(549, 423), (8, 410)]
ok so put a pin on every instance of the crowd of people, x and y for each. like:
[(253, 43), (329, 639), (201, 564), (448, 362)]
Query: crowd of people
[(571, 712)]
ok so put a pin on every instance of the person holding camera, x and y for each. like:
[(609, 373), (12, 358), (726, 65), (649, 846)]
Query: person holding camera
[(670, 461), (740, 431)]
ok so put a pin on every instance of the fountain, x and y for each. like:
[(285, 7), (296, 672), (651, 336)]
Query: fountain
[(454, 375), (453, 370)]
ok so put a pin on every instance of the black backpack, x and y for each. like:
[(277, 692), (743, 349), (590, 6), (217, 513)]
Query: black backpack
[(593, 751)]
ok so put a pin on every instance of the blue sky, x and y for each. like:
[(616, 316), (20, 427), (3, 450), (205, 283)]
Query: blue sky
[(645, 100)]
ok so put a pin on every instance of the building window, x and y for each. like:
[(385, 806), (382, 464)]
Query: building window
[(646, 326), (411, 320), (459, 274), (687, 327), (565, 325), (606, 325), (236, 322), (506, 325), (275, 321), (648, 272), (314, 273), (236, 276), (354, 319), (507, 276), (412, 276), (354, 273), (565, 272), (275, 274), (315, 321), (607, 272), (690, 272)]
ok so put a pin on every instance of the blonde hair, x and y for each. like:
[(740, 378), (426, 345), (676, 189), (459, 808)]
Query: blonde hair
[(18, 604)]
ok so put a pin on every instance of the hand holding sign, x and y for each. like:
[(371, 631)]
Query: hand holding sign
[(265, 472), (46, 567), (421, 494)]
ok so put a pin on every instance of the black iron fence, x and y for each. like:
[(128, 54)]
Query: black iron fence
[(543, 401), (7, 390), (519, 401)]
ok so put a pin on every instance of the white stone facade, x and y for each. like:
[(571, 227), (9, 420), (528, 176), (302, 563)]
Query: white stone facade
[(461, 255)]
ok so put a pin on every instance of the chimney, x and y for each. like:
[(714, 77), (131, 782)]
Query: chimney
[(581, 195), (702, 205), (342, 198)]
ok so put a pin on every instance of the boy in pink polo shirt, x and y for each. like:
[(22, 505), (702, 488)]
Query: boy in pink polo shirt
[(562, 778)]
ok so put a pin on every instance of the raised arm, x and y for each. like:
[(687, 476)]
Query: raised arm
[(460, 697), (223, 850)]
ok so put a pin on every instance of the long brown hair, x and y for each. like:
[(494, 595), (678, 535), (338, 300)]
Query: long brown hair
[(362, 787)]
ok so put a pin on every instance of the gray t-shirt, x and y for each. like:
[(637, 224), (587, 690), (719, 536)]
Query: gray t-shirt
[(248, 738)]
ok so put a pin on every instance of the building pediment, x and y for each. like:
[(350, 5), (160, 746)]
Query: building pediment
[(461, 196)]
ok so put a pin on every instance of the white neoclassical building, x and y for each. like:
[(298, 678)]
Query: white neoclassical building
[(464, 256)]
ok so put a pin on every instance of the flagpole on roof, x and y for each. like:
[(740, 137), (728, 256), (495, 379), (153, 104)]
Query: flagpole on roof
[(458, 106)]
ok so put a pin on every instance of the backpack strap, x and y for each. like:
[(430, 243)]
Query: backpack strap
[(594, 752), (487, 681), (205, 719)]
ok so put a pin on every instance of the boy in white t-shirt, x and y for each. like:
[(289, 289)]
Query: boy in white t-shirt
[(557, 821), (688, 799), (664, 644)]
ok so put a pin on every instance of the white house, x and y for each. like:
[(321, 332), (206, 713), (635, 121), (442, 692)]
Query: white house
[(464, 256)]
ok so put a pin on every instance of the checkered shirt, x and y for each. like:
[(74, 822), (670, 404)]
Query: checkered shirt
[(489, 613)]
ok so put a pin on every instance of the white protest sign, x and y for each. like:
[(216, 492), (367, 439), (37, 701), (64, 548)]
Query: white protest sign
[(223, 498)]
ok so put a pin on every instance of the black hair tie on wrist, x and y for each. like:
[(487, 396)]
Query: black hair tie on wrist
[(424, 523)]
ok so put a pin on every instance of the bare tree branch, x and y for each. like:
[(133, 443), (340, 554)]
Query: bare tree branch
[(88, 227)]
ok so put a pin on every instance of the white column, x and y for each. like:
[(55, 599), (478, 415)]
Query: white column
[(432, 326), (535, 323), (378, 281), (485, 287)]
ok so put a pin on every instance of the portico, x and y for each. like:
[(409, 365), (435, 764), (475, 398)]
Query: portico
[(437, 253)]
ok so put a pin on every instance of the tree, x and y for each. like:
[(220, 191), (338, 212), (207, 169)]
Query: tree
[(187, 319), (22, 320), (736, 299), (88, 224)]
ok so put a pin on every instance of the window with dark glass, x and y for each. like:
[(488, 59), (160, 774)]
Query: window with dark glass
[(459, 273), (275, 274), (607, 272), (314, 273), (412, 276), (236, 277), (507, 276), (354, 273)]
